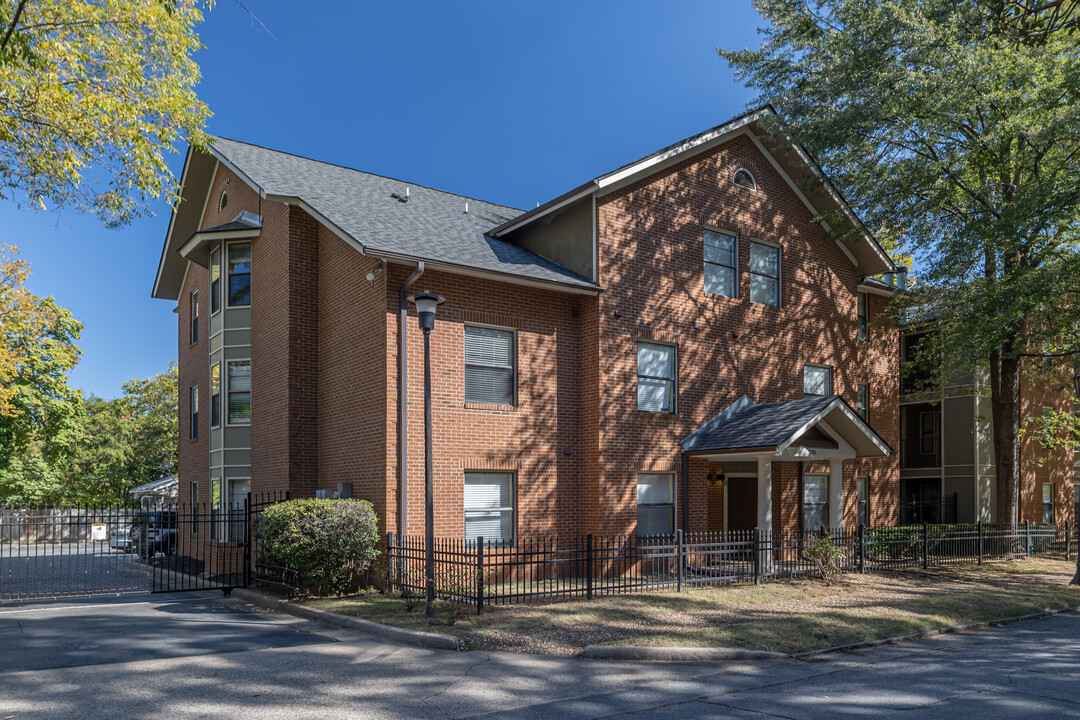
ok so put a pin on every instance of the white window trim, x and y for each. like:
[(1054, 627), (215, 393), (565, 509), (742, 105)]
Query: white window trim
[(865, 414), (673, 504), (859, 480), (753, 179), (674, 379), (223, 200), (193, 412), (227, 274), (221, 384), (512, 509), (779, 270), (225, 516), (220, 253), (802, 501), (513, 364), (225, 382), (194, 310), (832, 378), (862, 321), (709, 262)]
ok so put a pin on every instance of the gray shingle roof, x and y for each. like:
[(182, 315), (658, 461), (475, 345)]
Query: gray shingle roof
[(756, 426), (431, 226)]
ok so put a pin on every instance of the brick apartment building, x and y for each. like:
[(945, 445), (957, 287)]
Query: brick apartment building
[(675, 344)]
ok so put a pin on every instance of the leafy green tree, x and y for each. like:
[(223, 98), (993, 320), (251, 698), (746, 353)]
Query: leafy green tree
[(955, 123), (126, 441), (39, 411), (94, 93)]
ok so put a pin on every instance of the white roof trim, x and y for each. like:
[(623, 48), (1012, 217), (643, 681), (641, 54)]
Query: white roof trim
[(172, 220)]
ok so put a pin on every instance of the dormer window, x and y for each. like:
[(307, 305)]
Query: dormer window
[(744, 179)]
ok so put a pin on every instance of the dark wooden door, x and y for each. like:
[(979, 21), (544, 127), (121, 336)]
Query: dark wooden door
[(742, 503)]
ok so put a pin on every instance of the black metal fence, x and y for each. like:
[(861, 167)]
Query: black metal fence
[(64, 551), (550, 569)]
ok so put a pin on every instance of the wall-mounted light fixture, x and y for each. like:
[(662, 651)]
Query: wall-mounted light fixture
[(717, 479)]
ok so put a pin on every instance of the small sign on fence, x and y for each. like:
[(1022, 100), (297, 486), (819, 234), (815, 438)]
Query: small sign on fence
[(99, 531)]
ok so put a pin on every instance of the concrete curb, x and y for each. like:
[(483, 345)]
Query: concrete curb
[(676, 654), (932, 633), (434, 641)]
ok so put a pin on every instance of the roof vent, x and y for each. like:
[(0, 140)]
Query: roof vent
[(466, 208), (744, 179), (401, 198)]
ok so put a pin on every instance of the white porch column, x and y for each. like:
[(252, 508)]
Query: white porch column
[(836, 494), (764, 493)]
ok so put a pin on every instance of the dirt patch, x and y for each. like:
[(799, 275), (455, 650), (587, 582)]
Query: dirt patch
[(788, 616)]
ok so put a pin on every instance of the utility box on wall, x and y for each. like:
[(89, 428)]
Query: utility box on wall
[(344, 490)]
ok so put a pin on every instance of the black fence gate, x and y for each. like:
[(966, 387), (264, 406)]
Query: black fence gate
[(61, 552)]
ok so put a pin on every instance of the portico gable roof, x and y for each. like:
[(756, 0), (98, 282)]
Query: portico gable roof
[(747, 428)]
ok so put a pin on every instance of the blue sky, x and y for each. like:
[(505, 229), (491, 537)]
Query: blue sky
[(511, 102)]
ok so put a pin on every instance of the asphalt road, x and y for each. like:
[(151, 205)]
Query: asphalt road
[(68, 569), (208, 657)]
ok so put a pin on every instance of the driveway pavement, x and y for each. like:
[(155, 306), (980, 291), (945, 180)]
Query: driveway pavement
[(209, 657)]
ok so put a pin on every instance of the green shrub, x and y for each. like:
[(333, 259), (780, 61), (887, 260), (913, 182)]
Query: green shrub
[(826, 555), (328, 542)]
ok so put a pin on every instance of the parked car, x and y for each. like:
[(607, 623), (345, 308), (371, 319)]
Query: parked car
[(120, 539), (154, 531)]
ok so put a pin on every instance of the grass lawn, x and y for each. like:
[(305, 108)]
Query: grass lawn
[(789, 616)]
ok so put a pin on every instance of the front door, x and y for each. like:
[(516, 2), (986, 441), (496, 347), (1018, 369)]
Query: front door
[(742, 503)]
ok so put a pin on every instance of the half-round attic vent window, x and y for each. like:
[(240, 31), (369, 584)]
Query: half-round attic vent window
[(744, 179), (224, 200)]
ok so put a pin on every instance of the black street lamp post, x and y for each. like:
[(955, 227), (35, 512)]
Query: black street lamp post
[(425, 303)]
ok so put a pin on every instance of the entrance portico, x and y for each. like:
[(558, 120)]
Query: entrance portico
[(815, 429)]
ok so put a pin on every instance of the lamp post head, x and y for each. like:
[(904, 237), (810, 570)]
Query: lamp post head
[(425, 303)]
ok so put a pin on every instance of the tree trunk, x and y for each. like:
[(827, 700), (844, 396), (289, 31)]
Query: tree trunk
[(1005, 409)]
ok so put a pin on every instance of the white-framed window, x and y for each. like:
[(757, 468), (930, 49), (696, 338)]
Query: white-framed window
[(194, 508), (817, 380), (1076, 501), (764, 274), (862, 401), (489, 365), (223, 200), (238, 392), (1048, 503), (238, 490), (239, 254), (656, 504), (194, 420), (215, 395), (215, 281), (744, 179), (815, 502), (656, 370), (215, 507), (862, 320), (489, 506), (194, 316), (721, 264), (863, 495)]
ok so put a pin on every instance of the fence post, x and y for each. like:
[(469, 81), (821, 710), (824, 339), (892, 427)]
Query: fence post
[(862, 549), (389, 563), (679, 549), (1027, 538), (1068, 543), (925, 545), (247, 540), (979, 525), (480, 575), (588, 567), (757, 556)]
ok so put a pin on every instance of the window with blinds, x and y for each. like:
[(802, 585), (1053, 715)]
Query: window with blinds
[(863, 485), (489, 365), (489, 506), (721, 264), (765, 274), (817, 380), (656, 504), (239, 392), (862, 331), (655, 377), (815, 502)]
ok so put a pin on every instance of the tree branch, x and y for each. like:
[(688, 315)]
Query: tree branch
[(14, 22)]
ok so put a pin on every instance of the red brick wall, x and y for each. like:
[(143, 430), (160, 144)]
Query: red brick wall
[(651, 265), (1037, 464), (353, 367), (193, 365), (538, 439)]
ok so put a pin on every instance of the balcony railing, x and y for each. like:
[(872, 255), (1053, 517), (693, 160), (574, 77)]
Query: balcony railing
[(920, 452)]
